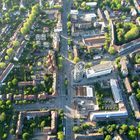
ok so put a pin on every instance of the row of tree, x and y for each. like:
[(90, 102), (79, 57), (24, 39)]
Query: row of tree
[(29, 21)]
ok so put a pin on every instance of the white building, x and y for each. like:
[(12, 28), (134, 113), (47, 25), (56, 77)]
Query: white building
[(74, 12), (88, 17), (91, 4), (99, 70), (115, 90), (101, 116)]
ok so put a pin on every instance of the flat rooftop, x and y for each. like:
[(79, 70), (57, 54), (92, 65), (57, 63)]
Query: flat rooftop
[(100, 67)]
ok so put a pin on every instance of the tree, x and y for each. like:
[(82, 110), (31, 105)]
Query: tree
[(9, 51), (14, 81), (83, 5), (111, 50), (135, 84), (16, 43), (7, 57), (137, 58), (76, 59), (76, 129), (4, 136), (124, 127), (12, 131), (2, 116), (132, 134), (39, 64), (68, 24), (108, 137), (139, 131), (138, 96), (26, 136), (42, 125), (60, 135), (2, 65), (8, 102)]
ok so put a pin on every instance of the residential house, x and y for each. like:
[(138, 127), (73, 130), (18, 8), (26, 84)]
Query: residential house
[(137, 67), (75, 51), (29, 97), (117, 137), (127, 85), (27, 83), (42, 96), (54, 119), (90, 136), (56, 40), (9, 96), (112, 33), (6, 72), (2, 97), (18, 97), (51, 64), (19, 125), (54, 86), (28, 114), (124, 68), (137, 5), (50, 137)]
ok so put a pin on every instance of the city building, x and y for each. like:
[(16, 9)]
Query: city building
[(110, 115), (91, 136), (134, 106), (99, 70), (115, 90), (95, 42)]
